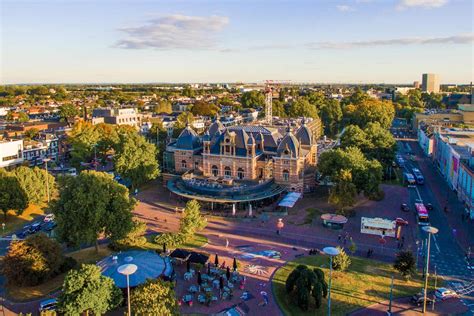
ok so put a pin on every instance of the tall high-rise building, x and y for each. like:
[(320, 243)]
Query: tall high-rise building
[(430, 83)]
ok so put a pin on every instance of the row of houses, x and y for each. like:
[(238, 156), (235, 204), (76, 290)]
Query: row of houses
[(452, 152)]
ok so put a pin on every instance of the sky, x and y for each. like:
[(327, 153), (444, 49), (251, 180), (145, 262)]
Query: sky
[(320, 41)]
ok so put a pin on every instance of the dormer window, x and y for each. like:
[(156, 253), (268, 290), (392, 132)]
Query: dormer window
[(286, 152)]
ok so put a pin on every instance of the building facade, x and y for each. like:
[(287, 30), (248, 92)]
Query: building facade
[(124, 116), (248, 152), (430, 83), (11, 153)]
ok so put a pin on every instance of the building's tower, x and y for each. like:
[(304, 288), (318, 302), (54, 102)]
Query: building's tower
[(430, 83)]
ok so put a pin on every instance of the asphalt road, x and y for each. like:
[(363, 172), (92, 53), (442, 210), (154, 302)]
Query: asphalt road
[(446, 257)]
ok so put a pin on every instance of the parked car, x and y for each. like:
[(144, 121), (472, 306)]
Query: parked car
[(49, 226), (404, 207), (418, 299), (444, 294), (429, 206), (34, 228), (409, 178), (48, 218), (48, 305)]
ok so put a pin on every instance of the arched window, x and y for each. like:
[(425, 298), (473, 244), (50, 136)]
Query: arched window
[(286, 175), (227, 172), (215, 171), (184, 164), (240, 173)]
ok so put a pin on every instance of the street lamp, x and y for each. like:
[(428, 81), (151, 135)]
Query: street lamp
[(46, 160), (431, 231), (331, 252), (3, 228), (127, 270)]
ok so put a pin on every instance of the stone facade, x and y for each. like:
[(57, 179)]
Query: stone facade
[(249, 153)]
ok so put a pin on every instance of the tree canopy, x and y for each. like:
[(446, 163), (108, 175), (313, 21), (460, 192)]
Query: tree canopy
[(192, 220), (86, 289), (204, 108), (154, 297), (33, 182), (302, 108), (366, 174), (163, 106), (12, 195), (92, 205), (370, 111), (252, 99), (303, 283), (68, 112), (32, 261), (135, 159)]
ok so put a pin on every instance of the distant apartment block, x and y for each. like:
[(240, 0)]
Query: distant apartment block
[(11, 153), (430, 83), (125, 116)]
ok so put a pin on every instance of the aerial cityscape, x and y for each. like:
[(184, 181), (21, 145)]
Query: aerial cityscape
[(237, 157)]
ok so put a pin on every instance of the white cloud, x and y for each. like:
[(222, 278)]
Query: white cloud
[(344, 8), (455, 39), (174, 32), (403, 4)]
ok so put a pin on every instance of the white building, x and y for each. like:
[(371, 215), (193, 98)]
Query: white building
[(11, 153), (125, 116)]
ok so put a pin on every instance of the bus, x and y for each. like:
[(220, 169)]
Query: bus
[(418, 176), (422, 214)]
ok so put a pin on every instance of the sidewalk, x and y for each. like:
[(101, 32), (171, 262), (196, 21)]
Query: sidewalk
[(445, 196)]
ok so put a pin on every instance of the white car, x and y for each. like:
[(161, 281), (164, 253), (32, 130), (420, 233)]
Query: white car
[(444, 294), (48, 218)]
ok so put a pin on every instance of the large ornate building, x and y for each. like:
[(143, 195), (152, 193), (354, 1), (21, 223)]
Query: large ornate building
[(248, 152)]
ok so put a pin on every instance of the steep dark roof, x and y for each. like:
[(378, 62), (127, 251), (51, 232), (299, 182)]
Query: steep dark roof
[(216, 126), (188, 139), (290, 143), (304, 135)]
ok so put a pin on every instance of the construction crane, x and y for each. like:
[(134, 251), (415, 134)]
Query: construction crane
[(270, 87)]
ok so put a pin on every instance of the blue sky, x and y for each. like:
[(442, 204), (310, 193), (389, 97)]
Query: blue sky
[(331, 41)]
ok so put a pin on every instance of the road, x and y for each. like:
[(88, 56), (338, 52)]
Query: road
[(447, 257)]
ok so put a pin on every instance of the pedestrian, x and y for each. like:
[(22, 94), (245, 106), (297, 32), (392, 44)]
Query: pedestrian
[(339, 237), (226, 243)]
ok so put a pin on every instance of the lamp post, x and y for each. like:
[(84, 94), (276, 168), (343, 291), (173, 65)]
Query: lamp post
[(127, 270), (331, 252), (431, 231), (46, 160), (3, 228)]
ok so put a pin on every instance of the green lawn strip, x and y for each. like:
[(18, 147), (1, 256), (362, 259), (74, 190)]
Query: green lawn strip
[(196, 242), (366, 282)]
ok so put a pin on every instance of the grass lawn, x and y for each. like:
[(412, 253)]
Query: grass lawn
[(87, 255), (365, 282), (15, 222), (196, 242), (399, 177)]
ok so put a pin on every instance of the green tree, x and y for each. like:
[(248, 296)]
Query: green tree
[(87, 290), (164, 106), (92, 205), (12, 195), (192, 220), (358, 97), (370, 111), (278, 108), (31, 133), (342, 261), (344, 192), (303, 283), (366, 174), (32, 261), (302, 108), (252, 99), (135, 238), (68, 112), (183, 119), (83, 138), (331, 116), (135, 159), (405, 263), (204, 109), (33, 183), (23, 117), (154, 297)]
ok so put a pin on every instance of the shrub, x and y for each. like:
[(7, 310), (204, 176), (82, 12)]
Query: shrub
[(405, 263), (342, 261), (33, 261), (154, 297), (303, 283), (171, 240)]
